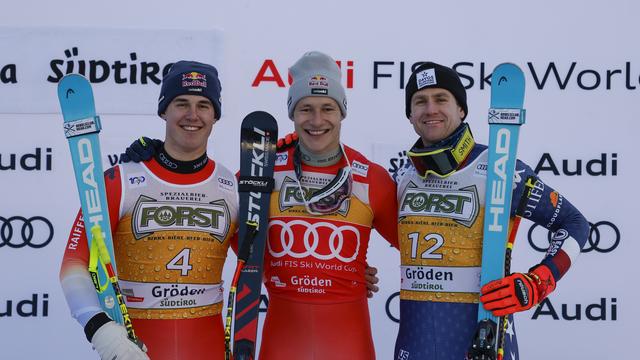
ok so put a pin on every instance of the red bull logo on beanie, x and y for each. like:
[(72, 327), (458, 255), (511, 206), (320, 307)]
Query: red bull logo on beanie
[(318, 80), (194, 79)]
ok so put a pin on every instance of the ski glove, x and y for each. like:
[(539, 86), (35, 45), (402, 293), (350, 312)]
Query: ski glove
[(518, 291), (288, 141), (142, 149), (112, 343)]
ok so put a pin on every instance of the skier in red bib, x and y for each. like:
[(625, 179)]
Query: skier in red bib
[(172, 218), (327, 199)]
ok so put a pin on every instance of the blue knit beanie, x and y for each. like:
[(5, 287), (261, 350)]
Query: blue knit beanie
[(191, 78)]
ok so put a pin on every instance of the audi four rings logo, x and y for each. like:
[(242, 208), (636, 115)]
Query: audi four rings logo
[(313, 241), (18, 231), (604, 237)]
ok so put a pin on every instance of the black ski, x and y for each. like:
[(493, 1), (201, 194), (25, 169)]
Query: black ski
[(257, 158)]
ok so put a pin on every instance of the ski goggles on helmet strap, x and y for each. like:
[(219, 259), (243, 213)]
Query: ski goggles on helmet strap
[(330, 198), (444, 161)]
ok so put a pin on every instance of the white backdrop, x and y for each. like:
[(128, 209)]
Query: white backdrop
[(582, 71)]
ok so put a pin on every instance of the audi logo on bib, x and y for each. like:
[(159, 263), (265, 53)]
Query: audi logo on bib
[(18, 231), (321, 240)]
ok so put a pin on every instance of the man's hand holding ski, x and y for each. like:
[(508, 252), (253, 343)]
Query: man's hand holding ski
[(518, 291), (111, 342)]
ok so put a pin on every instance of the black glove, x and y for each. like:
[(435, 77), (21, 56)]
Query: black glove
[(142, 149)]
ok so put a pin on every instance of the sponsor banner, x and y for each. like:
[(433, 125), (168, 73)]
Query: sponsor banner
[(121, 64), (575, 101), (567, 75)]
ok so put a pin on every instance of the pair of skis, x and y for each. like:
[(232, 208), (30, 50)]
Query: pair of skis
[(259, 134), (506, 115)]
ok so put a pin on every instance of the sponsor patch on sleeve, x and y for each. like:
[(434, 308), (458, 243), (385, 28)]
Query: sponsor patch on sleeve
[(225, 183), (359, 168), (281, 158), (136, 180)]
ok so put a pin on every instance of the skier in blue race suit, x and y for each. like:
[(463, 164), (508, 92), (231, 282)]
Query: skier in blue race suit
[(440, 218)]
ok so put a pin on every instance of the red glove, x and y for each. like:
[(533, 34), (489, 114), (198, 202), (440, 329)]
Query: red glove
[(518, 291), (288, 141)]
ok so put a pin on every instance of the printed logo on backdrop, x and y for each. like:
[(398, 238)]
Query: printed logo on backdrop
[(391, 73), (604, 165), (38, 160), (272, 74), (122, 64), (35, 306), (123, 71), (564, 76), (604, 309), (604, 237), (18, 232)]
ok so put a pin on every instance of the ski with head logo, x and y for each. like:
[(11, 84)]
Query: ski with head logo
[(506, 115), (258, 138), (81, 127)]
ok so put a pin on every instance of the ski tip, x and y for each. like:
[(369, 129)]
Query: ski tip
[(505, 73), (507, 86), (72, 84), (72, 79), (259, 114), (262, 123), (76, 97)]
